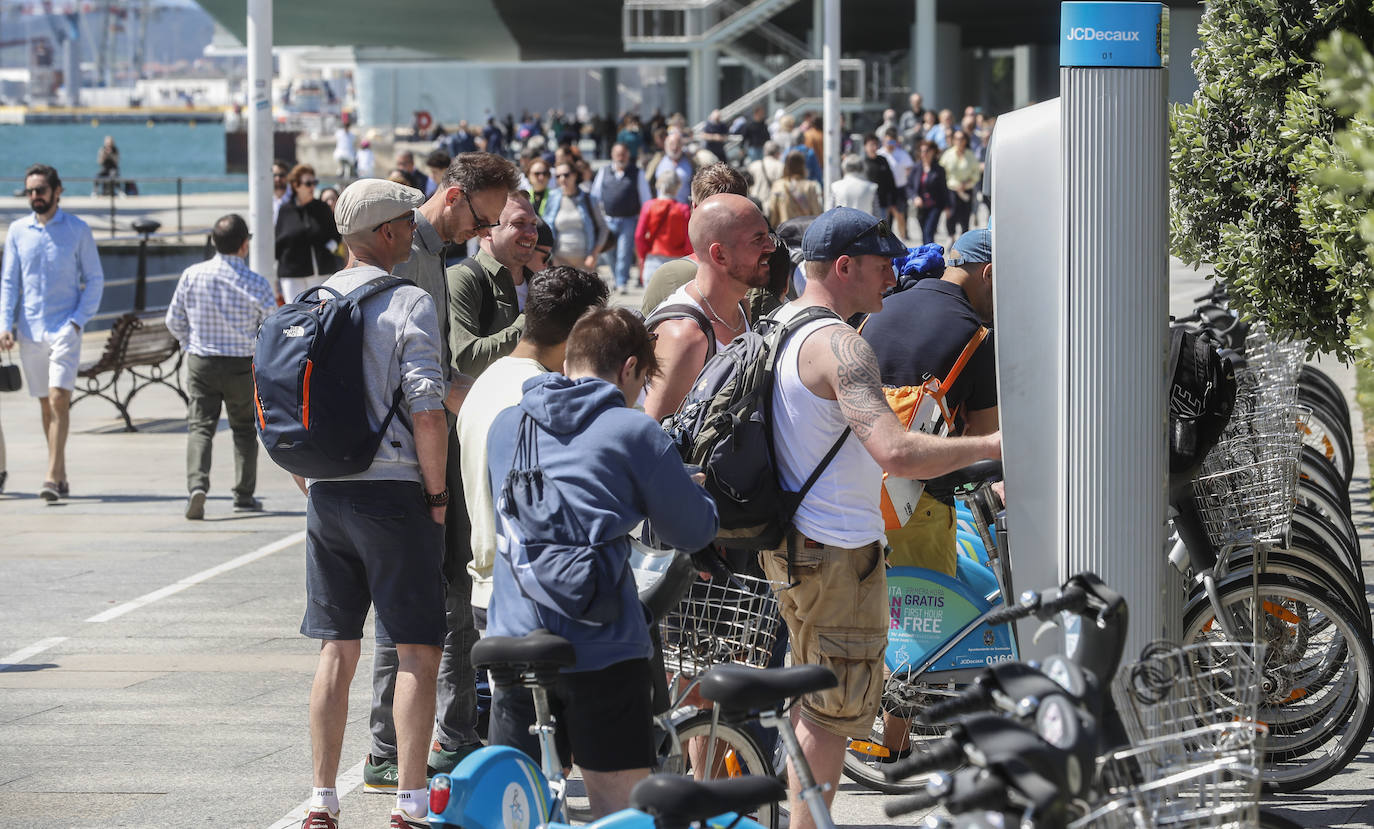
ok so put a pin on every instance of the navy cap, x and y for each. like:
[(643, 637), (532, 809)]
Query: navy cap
[(975, 246), (545, 238), (844, 231)]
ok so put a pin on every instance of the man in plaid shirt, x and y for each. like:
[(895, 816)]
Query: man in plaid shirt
[(215, 314)]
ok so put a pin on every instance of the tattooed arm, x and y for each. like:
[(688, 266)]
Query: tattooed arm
[(838, 364)]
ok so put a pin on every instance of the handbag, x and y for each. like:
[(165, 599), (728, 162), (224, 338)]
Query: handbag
[(10, 378)]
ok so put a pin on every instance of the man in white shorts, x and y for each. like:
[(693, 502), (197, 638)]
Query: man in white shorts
[(50, 287)]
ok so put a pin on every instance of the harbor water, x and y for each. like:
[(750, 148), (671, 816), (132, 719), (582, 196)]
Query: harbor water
[(153, 155)]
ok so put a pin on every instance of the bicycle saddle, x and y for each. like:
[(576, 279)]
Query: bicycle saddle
[(678, 801), (741, 688), (537, 649), (974, 473)]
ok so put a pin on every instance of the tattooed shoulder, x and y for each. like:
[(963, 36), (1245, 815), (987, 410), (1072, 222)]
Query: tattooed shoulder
[(858, 383)]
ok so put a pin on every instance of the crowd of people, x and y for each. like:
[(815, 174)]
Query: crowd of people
[(513, 372)]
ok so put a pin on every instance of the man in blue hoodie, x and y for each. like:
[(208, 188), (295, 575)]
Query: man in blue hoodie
[(573, 470)]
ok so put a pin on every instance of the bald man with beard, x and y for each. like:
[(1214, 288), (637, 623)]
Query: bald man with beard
[(733, 245)]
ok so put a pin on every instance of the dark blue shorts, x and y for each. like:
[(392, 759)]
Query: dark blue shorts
[(373, 543)]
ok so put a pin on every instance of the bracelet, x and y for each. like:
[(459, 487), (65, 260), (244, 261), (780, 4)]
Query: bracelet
[(437, 500)]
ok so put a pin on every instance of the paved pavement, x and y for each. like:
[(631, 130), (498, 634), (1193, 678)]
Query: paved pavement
[(152, 670)]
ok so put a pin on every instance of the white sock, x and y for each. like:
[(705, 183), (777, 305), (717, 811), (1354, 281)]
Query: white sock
[(328, 798), (414, 802)]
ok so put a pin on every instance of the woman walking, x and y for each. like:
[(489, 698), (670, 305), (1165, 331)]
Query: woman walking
[(306, 237)]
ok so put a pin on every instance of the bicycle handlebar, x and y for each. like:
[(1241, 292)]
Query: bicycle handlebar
[(938, 754), (898, 806), (1072, 598), (974, 698)]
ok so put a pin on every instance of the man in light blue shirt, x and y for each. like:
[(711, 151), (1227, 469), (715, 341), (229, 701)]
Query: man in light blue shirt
[(215, 314), (50, 287)]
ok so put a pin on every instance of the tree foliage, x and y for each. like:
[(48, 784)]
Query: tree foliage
[(1254, 164)]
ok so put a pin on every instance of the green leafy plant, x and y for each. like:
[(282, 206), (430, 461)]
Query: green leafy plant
[(1254, 165)]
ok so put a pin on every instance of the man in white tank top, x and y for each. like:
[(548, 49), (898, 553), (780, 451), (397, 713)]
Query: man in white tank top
[(733, 246), (828, 381)]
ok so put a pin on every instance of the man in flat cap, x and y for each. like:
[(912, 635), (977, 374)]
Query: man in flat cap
[(377, 538)]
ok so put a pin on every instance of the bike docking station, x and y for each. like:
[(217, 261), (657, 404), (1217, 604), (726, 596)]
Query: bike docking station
[(1081, 286)]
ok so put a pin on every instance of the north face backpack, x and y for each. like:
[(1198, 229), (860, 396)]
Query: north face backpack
[(308, 383), (725, 426)]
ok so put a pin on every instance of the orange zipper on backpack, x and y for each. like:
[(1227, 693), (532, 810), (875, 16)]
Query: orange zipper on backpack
[(305, 395), (257, 400)]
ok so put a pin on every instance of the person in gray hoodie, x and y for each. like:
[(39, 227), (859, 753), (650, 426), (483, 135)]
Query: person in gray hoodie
[(573, 470)]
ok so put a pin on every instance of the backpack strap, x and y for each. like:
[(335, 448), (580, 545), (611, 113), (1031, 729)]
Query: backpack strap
[(683, 310), (785, 331), (371, 288), (948, 383), (486, 309)]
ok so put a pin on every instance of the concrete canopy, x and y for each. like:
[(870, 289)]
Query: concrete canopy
[(484, 30), (526, 30)]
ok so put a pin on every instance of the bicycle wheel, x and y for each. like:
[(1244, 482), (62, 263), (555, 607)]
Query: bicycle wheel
[(1304, 561), (902, 701), (1322, 432), (1318, 382), (1309, 524), (1315, 467), (1318, 675), (1318, 499), (736, 753)]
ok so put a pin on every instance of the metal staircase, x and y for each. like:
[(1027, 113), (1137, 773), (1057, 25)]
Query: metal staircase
[(741, 29)]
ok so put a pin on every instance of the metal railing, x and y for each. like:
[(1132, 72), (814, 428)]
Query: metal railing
[(660, 24), (116, 188)]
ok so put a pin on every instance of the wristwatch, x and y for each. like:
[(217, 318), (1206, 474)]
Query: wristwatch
[(439, 499)]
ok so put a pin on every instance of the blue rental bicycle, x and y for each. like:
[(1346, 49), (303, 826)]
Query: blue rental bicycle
[(939, 638), (499, 787)]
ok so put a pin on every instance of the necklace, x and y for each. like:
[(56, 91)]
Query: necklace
[(739, 329)]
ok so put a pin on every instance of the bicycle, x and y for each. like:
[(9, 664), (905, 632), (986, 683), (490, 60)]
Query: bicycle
[(940, 636), (499, 786)]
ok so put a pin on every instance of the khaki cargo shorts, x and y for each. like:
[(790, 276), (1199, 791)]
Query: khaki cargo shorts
[(837, 616)]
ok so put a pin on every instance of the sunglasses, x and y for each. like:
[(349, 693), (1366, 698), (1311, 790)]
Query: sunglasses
[(563, 175), (478, 223), (540, 174), (408, 216), (880, 230), (37, 191), (307, 182)]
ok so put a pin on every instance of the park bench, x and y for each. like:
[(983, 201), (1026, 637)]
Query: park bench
[(140, 352)]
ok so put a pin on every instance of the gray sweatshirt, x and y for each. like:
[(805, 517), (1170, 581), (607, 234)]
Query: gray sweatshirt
[(400, 348)]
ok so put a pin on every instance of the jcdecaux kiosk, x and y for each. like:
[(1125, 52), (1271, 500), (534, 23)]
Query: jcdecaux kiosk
[(1079, 226)]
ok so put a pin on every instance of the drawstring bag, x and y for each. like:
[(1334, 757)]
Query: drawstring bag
[(554, 565)]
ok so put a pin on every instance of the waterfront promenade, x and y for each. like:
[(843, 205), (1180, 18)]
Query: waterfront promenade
[(153, 675)]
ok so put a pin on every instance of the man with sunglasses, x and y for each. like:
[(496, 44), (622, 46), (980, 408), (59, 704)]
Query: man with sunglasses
[(376, 539), (828, 385), (470, 187), (50, 288)]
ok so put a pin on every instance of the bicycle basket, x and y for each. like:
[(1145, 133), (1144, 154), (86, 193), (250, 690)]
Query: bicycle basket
[(1194, 762), (731, 619)]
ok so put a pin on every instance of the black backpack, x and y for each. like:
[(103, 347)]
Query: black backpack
[(308, 384), (725, 426), (1202, 394)]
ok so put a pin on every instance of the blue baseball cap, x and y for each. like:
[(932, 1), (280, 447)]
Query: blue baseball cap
[(974, 247), (845, 231)]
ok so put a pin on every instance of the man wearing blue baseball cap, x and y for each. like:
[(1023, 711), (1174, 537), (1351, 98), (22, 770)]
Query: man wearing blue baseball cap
[(827, 385), (939, 372)]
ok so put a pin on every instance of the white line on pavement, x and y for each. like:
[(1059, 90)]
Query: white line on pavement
[(346, 782), (190, 581), (11, 661)]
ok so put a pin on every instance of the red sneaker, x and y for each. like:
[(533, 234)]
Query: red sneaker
[(320, 818)]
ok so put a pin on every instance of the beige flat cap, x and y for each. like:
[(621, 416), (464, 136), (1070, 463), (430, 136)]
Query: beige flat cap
[(368, 202)]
